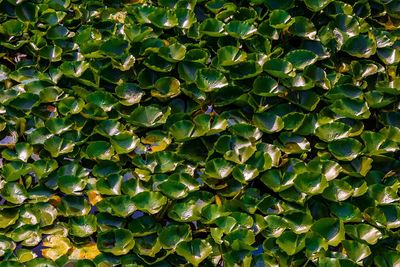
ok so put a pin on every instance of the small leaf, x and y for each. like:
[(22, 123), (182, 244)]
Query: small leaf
[(55, 246), (194, 251)]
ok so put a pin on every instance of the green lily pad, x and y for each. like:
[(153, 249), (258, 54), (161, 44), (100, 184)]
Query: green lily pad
[(166, 87), (316, 5), (173, 53), (357, 251), (117, 241), (99, 149), (102, 99), (345, 149), (301, 58), (150, 202), (351, 108), (197, 55), (212, 27), (267, 86), (303, 27), (163, 18), (279, 19), (230, 55), (279, 68), (332, 131), (290, 242), (83, 226), (332, 230), (338, 190), (149, 116), (360, 46), (245, 70), (8, 217), (129, 93), (14, 193), (173, 234), (240, 29), (209, 80), (311, 183), (218, 168), (156, 63), (194, 251)]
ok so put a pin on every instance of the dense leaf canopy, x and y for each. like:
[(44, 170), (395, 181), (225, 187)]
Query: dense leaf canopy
[(199, 133)]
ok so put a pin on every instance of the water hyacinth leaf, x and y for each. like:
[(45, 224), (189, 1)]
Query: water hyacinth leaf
[(121, 206), (344, 91), (24, 101), (338, 190), (55, 246), (12, 27), (124, 142), (364, 232), (197, 55), (114, 47), (74, 206), (101, 99), (14, 170), (186, 18), (74, 68)]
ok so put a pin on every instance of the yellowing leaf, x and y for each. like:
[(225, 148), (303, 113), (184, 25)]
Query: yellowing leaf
[(157, 143), (94, 197), (88, 251), (56, 246), (55, 200)]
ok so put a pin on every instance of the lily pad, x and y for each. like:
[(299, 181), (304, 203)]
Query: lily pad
[(345, 149), (209, 80)]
